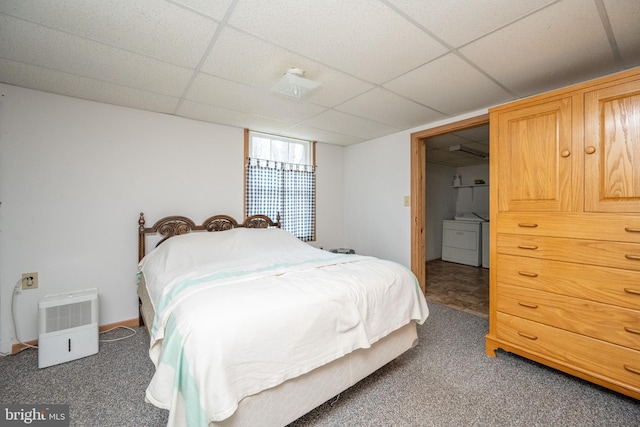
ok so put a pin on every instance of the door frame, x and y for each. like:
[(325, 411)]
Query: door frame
[(419, 189)]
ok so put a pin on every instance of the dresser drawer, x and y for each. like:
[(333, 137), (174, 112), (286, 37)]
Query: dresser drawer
[(602, 284), (603, 321), (591, 356), (594, 226), (582, 251)]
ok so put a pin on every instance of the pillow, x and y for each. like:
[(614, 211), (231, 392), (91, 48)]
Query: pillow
[(188, 252)]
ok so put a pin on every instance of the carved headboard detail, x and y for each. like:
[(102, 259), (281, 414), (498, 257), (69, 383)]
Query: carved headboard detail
[(175, 225)]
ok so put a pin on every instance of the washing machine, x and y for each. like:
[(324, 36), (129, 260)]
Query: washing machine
[(462, 239)]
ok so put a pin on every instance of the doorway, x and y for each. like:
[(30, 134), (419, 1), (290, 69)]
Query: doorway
[(419, 190)]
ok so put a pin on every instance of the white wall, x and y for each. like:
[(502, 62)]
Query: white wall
[(443, 201), (377, 177), (441, 205), (329, 196), (473, 199), (75, 174)]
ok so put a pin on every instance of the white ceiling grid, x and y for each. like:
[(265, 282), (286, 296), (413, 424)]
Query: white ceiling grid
[(384, 65)]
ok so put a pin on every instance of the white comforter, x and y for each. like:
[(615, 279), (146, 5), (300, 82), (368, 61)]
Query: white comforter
[(267, 309)]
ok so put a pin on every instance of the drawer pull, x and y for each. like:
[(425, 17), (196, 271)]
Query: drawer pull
[(632, 330), (529, 305), (533, 338), (632, 369), (527, 225), (633, 257), (565, 153), (632, 291), (527, 274), (590, 149), (632, 229), (529, 247)]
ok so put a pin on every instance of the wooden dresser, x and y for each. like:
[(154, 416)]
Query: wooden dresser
[(565, 230)]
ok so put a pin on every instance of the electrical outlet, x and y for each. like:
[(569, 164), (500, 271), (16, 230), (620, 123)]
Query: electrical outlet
[(29, 281), (407, 201)]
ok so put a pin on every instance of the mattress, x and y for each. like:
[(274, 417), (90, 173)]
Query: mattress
[(290, 400)]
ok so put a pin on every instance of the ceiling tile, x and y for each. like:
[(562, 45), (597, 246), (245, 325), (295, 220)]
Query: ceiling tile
[(218, 92), (245, 59), (197, 111), (435, 84), (385, 107), (560, 45), (438, 150), (214, 9), (457, 22), (20, 74), (385, 65), (319, 135), (444, 140), (149, 27), (251, 61), (223, 116), (478, 134), (443, 157), (624, 16), (347, 124), (454, 158), (37, 45), (471, 160), (350, 36)]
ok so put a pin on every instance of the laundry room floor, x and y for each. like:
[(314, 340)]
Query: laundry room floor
[(460, 286)]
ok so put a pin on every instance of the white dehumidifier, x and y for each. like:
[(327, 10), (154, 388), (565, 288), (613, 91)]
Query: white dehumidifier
[(68, 326)]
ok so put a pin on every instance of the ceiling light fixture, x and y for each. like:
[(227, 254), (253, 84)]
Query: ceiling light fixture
[(469, 150), (294, 85)]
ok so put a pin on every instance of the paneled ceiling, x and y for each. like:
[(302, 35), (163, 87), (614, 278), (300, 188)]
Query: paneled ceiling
[(383, 65), (445, 149)]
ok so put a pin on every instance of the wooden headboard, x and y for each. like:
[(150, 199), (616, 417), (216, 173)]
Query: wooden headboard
[(170, 226)]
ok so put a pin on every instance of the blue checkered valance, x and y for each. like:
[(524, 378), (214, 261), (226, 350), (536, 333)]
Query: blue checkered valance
[(283, 188)]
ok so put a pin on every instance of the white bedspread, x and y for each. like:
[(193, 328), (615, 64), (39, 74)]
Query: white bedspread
[(230, 328)]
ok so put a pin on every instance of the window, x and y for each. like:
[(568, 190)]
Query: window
[(280, 179)]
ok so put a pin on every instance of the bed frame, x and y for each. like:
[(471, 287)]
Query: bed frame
[(175, 225), (280, 405)]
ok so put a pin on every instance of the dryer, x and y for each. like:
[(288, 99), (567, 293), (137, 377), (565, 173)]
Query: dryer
[(462, 239)]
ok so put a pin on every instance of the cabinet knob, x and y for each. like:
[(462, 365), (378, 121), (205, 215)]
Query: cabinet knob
[(565, 153), (590, 149)]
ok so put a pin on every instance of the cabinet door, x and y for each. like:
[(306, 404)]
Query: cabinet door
[(534, 158), (612, 149)]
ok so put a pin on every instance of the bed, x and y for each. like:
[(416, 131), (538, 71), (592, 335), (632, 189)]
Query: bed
[(250, 326)]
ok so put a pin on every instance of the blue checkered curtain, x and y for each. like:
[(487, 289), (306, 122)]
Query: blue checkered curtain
[(283, 188)]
